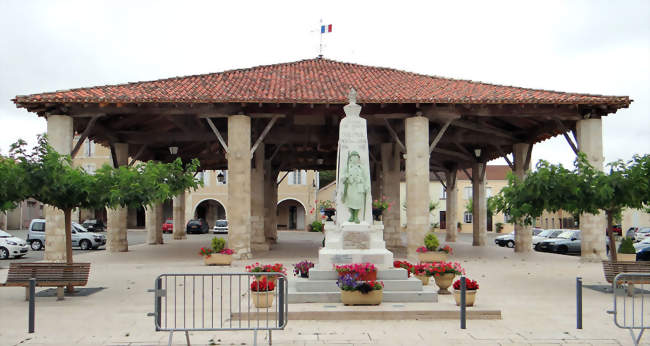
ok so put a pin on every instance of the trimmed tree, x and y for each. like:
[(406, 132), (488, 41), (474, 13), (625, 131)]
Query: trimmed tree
[(583, 189)]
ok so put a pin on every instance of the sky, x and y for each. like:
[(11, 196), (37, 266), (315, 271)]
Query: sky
[(598, 47)]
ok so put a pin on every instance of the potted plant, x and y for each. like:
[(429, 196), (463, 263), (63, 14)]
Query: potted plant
[(355, 292), (302, 268), (266, 268), (423, 272), (262, 293), (328, 207), (471, 287), (217, 254), (361, 271), (626, 250), (403, 264), (444, 273), (316, 226), (378, 207), (431, 252)]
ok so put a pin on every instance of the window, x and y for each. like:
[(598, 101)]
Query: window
[(468, 217), (553, 222), (506, 217), (89, 168), (90, 148), (443, 192), (297, 177), (206, 178), (200, 176), (488, 192), (38, 227), (468, 193)]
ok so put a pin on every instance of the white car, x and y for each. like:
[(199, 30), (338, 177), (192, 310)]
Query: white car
[(545, 235), (642, 233), (642, 244), (11, 246)]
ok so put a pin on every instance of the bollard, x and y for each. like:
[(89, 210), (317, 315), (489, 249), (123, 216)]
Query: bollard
[(281, 298), (462, 302), (32, 301), (579, 303)]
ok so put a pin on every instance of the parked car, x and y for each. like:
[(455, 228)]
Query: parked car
[(11, 246), (642, 244), (220, 226), (168, 226), (566, 242), (631, 232), (506, 240), (546, 234), (642, 233), (617, 229), (94, 225), (643, 254), (81, 237), (197, 226)]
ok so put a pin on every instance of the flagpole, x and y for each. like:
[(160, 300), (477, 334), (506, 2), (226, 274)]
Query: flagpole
[(320, 49)]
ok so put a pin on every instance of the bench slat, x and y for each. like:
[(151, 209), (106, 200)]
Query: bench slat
[(48, 274)]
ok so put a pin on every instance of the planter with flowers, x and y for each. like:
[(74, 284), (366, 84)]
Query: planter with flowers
[(361, 271), (302, 268), (378, 207), (266, 268), (262, 293), (328, 207), (444, 274), (422, 271), (217, 254), (471, 287), (355, 292), (404, 264), (431, 251)]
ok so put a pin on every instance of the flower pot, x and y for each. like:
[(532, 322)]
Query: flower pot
[(304, 274), (424, 279), (470, 297), (263, 299), (329, 212), (217, 259), (268, 278), (432, 256), (373, 297), (626, 257), (369, 276), (376, 213), (444, 281)]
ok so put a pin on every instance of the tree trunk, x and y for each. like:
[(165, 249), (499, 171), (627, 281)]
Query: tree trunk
[(610, 231), (68, 240)]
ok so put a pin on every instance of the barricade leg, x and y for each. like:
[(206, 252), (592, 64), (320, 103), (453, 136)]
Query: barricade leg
[(187, 337)]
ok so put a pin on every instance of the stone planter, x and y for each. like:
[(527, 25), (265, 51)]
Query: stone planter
[(370, 276), (432, 256), (470, 297), (217, 259), (626, 257), (424, 279), (268, 278), (263, 299), (373, 297), (444, 281)]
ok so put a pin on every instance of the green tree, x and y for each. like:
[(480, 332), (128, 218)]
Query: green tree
[(491, 206), (50, 178), (326, 176), (581, 190)]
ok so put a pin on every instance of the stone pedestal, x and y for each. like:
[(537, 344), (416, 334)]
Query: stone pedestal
[(239, 185), (153, 222), (178, 213), (417, 182), (354, 243), (523, 233)]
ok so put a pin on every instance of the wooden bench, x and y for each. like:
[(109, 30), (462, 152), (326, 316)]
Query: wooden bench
[(48, 275), (614, 268)]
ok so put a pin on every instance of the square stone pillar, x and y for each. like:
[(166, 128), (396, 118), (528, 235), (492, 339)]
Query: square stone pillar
[(116, 237), (390, 163), (593, 227), (270, 203), (417, 182), (479, 205), (523, 233), (239, 185), (59, 136), (178, 213), (258, 238), (153, 222), (451, 205)]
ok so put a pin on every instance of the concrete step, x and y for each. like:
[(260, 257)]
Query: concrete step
[(427, 295), (304, 285), (382, 274)]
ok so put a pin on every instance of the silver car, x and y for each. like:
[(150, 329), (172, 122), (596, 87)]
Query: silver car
[(80, 236), (566, 242), (545, 235)]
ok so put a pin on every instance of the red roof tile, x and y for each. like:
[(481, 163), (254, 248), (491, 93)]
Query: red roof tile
[(316, 81)]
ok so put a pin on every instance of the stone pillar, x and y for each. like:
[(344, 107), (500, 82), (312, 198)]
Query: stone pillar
[(451, 205), (178, 213), (270, 203), (479, 205), (258, 238), (390, 162), (417, 182), (375, 180), (590, 142), (239, 186), (59, 136), (523, 233), (153, 222), (116, 238)]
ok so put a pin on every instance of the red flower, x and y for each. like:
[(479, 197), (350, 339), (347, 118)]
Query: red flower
[(470, 285), (262, 285)]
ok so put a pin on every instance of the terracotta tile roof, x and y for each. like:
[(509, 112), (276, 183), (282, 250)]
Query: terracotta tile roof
[(316, 81)]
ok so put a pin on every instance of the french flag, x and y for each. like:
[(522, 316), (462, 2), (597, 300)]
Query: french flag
[(325, 28)]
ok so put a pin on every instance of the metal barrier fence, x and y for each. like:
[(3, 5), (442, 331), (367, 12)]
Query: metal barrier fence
[(218, 302), (631, 293)]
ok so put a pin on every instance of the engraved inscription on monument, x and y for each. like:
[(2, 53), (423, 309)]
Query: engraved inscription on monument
[(356, 240)]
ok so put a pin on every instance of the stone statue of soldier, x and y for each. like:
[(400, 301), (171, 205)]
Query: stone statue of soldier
[(355, 186)]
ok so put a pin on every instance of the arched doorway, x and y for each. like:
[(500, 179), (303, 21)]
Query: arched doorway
[(291, 215), (210, 210)]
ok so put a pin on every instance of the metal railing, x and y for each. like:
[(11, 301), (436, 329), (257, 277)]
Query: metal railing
[(631, 301), (218, 302)]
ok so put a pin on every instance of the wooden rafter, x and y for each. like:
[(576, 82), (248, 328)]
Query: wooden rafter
[(137, 155), (394, 135), (84, 135), (439, 135), (440, 179), (218, 134), (565, 133), (264, 133), (505, 157)]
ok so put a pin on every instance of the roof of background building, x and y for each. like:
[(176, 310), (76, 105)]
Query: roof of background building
[(316, 81)]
